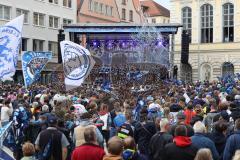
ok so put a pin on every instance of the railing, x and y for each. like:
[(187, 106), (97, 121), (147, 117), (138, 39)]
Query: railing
[(4, 132)]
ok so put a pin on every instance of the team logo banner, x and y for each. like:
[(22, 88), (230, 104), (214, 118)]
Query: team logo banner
[(77, 64), (32, 65), (10, 40)]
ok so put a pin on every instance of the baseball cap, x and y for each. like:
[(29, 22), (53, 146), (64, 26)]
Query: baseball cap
[(52, 119)]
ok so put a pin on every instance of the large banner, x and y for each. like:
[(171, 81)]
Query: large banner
[(10, 42), (77, 64), (32, 65)]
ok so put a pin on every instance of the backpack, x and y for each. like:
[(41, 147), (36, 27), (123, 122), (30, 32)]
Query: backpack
[(47, 151), (125, 130)]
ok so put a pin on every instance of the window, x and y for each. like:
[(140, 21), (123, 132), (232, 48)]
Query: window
[(37, 45), (207, 23), (67, 21), (38, 19), (95, 6), (131, 16), (108, 9), (53, 22), (111, 11), (5, 12), (187, 21), (123, 14), (228, 22), (53, 46), (104, 10), (90, 5), (163, 20), (53, 1), (67, 3), (101, 8), (25, 12), (153, 20), (24, 44), (124, 2)]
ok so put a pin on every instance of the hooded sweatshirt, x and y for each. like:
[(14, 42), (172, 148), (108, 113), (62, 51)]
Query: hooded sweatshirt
[(181, 149), (182, 141)]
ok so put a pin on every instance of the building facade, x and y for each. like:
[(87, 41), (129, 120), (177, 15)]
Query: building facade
[(98, 11), (109, 11), (42, 20), (214, 30), (129, 10), (154, 12)]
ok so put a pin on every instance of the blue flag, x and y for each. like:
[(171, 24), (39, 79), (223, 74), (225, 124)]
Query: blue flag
[(32, 65), (10, 40)]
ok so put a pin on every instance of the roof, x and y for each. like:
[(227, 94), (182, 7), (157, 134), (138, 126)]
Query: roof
[(155, 9), (118, 27)]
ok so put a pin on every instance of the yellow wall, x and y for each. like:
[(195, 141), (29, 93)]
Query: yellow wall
[(216, 53), (159, 19)]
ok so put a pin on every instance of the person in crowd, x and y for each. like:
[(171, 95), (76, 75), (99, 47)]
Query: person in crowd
[(144, 130), (51, 143), (45, 111), (181, 121), (219, 137), (127, 128), (105, 117), (159, 140), (167, 114), (78, 136), (199, 140), (90, 150), (28, 151), (115, 149), (204, 154), (130, 150), (6, 112), (209, 119), (189, 113), (182, 147), (233, 142)]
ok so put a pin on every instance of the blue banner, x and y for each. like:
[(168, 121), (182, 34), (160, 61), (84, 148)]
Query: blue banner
[(32, 65)]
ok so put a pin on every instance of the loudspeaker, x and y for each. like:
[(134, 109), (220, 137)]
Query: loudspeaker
[(175, 72), (61, 37), (185, 47)]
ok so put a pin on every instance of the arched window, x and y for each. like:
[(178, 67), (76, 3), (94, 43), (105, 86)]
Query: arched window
[(187, 20), (228, 22), (206, 23)]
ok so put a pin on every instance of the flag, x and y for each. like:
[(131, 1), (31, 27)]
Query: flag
[(77, 64), (10, 42), (32, 65)]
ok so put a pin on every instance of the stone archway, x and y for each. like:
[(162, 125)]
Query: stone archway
[(227, 68), (206, 72), (186, 72)]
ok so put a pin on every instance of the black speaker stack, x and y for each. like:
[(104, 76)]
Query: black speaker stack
[(61, 37), (185, 47)]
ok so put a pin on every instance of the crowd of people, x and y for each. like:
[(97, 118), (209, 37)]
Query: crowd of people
[(168, 121)]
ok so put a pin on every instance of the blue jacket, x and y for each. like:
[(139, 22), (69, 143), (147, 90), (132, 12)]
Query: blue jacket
[(200, 141), (233, 144)]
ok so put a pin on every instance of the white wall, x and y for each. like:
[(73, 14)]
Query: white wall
[(45, 33)]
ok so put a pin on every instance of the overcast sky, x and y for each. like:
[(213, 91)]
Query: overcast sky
[(164, 3)]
